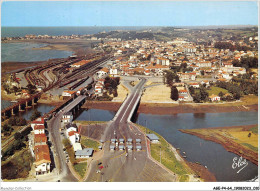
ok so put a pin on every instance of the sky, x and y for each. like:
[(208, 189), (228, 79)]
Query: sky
[(128, 13)]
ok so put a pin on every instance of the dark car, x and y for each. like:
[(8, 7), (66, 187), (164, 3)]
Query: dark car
[(100, 163)]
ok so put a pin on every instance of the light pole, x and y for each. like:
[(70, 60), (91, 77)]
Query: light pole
[(160, 155), (145, 126)]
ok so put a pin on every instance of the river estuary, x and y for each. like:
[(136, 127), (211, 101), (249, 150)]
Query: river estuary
[(210, 154)]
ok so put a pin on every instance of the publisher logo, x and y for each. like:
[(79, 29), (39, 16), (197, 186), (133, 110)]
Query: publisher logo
[(239, 164)]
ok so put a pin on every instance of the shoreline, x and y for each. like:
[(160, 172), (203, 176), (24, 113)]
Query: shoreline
[(199, 170), (170, 109), (228, 144), (77, 46)]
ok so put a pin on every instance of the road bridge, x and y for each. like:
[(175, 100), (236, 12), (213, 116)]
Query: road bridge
[(127, 165)]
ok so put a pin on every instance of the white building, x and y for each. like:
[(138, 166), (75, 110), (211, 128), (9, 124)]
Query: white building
[(42, 159), (39, 129), (67, 117), (85, 153), (38, 121)]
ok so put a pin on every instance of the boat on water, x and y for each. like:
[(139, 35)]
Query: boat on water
[(14, 101)]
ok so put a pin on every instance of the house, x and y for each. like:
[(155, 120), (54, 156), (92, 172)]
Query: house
[(103, 73), (71, 127), (79, 64), (99, 88), (214, 98), (67, 94), (121, 140), (38, 121), (77, 146), (80, 91), (163, 61), (181, 98), (182, 92), (113, 72), (153, 138), (194, 85), (85, 153), (42, 159), (73, 137), (204, 64), (39, 129), (40, 139), (138, 140), (67, 117)]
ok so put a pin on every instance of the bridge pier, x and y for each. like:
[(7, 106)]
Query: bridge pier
[(33, 102), (12, 111), (27, 104)]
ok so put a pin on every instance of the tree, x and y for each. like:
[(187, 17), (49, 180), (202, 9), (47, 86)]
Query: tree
[(18, 136), (221, 94), (6, 128), (31, 88), (197, 97), (35, 115), (191, 89), (174, 93), (204, 94)]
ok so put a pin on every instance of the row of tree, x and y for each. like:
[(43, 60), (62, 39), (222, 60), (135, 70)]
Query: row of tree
[(228, 45), (18, 143), (246, 62), (200, 94), (111, 85)]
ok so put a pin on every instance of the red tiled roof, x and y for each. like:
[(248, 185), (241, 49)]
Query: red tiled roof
[(39, 120), (42, 154), (71, 133), (38, 127), (40, 138)]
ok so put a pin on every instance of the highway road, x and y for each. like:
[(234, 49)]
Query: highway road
[(127, 166), (53, 127)]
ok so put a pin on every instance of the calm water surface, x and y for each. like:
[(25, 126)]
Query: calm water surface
[(210, 154), (24, 52), (95, 115), (43, 108)]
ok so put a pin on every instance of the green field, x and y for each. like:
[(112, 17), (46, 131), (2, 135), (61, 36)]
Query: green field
[(89, 143), (254, 130), (81, 168), (215, 90), (168, 158)]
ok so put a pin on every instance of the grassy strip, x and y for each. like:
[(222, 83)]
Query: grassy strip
[(89, 143), (250, 147), (70, 150), (168, 158), (254, 129), (216, 91), (81, 168)]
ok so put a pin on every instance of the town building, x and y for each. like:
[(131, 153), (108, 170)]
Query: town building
[(42, 159), (85, 153)]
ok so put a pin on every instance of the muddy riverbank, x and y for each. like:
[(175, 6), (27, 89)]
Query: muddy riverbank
[(169, 109), (228, 138)]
